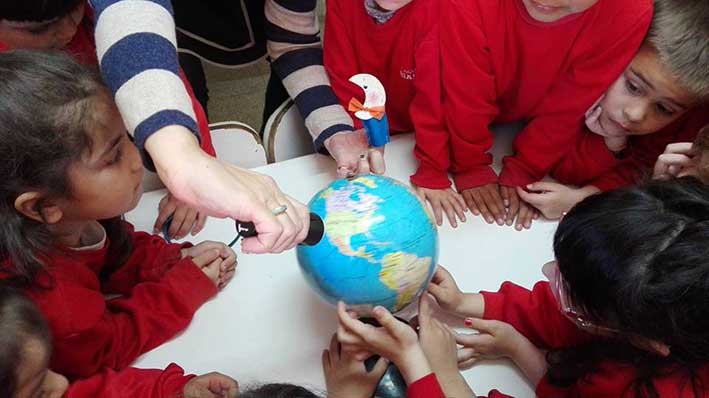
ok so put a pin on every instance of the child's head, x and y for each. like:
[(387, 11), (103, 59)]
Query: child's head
[(636, 262), (278, 390), (554, 10), (67, 158), (25, 347), (667, 76), (39, 24)]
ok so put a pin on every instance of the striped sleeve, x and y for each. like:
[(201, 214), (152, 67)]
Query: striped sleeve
[(137, 52), (294, 46)]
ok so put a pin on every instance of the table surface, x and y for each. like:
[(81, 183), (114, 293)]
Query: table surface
[(267, 325)]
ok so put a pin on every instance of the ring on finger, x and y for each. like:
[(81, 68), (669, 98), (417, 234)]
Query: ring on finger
[(279, 210)]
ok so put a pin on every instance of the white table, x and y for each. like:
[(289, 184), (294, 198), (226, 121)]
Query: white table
[(267, 325)]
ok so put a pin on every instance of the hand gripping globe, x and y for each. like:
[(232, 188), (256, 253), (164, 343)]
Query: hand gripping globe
[(380, 246)]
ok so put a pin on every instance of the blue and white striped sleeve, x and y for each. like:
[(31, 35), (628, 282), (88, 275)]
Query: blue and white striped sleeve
[(292, 31), (137, 53)]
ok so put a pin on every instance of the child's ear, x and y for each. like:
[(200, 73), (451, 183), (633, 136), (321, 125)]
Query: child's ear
[(36, 206)]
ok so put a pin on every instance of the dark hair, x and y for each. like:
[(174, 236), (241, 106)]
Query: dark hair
[(637, 260), (278, 390), (20, 321), (47, 111), (36, 10)]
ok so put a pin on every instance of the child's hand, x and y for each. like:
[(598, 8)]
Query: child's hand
[(517, 208), (444, 289), (677, 159), (394, 340), (486, 201), (444, 200), (593, 122), (494, 339), (184, 218), (227, 266), (210, 263), (437, 340), (211, 385), (554, 199), (353, 155), (346, 376)]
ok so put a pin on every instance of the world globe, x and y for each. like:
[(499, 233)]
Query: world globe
[(379, 248)]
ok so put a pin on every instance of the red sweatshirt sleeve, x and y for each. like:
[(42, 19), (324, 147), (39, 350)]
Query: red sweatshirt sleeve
[(466, 64), (96, 333), (339, 57), (426, 112), (425, 387), (150, 259), (589, 159), (534, 313), (133, 383), (554, 126)]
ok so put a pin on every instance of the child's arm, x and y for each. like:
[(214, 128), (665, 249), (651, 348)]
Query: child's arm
[(91, 333), (153, 383), (497, 339), (449, 297)]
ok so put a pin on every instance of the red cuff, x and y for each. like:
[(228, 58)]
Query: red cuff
[(514, 176), (494, 303), (428, 177), (474, 178), (497, 394), (425, 387), (191, 283)]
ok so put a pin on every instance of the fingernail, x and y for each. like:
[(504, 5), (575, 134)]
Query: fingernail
[(489, 220), (468, 323), (506, 203), (529, 186), (500, 221)]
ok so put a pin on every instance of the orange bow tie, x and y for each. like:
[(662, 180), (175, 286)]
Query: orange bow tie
[(377, 112)]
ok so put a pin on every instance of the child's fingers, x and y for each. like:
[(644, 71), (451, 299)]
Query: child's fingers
[(470, 202), (199, 224), (206, 257), (467, 364), (178, 218), (534, 199), (334, 348), (684, 148), (450, 212), (479, 324), (514, 205), (465, 353), (425, 311), (387, 320), (524, 219), (436, 209), (379, 368), (165, 209), (325, 360), (481, 205), (493, 201), (458, 204)]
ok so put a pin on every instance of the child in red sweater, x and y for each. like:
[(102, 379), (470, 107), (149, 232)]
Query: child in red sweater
[(69, 172), (26, 345), (624, 313), (68, 25), (396, 41), (541, 61), (659, 99)]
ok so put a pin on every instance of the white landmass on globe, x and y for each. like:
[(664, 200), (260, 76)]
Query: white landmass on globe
[(345, 217), (404, 273)]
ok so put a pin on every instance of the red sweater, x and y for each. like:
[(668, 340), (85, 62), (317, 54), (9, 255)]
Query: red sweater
[(83, 48), (500, 65), (160, 293), (402, 53), (535, 315), (592, 163), (133, 383)]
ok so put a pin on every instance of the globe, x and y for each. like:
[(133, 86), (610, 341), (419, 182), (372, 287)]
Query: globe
[(380, 245)]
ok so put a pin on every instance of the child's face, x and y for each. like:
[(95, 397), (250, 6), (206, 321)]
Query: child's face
[(392, 5), (106, 181), (35, 380), (554, 10), (644, 99), (52, 34)]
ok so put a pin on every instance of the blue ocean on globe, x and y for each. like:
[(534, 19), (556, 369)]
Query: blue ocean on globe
[(380, 245)]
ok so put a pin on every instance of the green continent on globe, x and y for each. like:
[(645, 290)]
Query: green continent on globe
[(404, 273), (350, 211)]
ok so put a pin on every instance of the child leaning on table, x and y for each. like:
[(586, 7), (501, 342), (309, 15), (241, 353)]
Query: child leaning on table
[(660, 99), (68, 174), (68, 25), (624, 312)]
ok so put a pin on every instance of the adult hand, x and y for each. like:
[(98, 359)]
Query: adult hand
[(185, 219), (444, 201), (486, 201), (220, 189), (677, 159), (554, 199), (517, 209), (353, 155), (346, 376), (211, 385)]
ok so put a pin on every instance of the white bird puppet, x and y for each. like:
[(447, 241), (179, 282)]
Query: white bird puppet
[(372, 112)]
